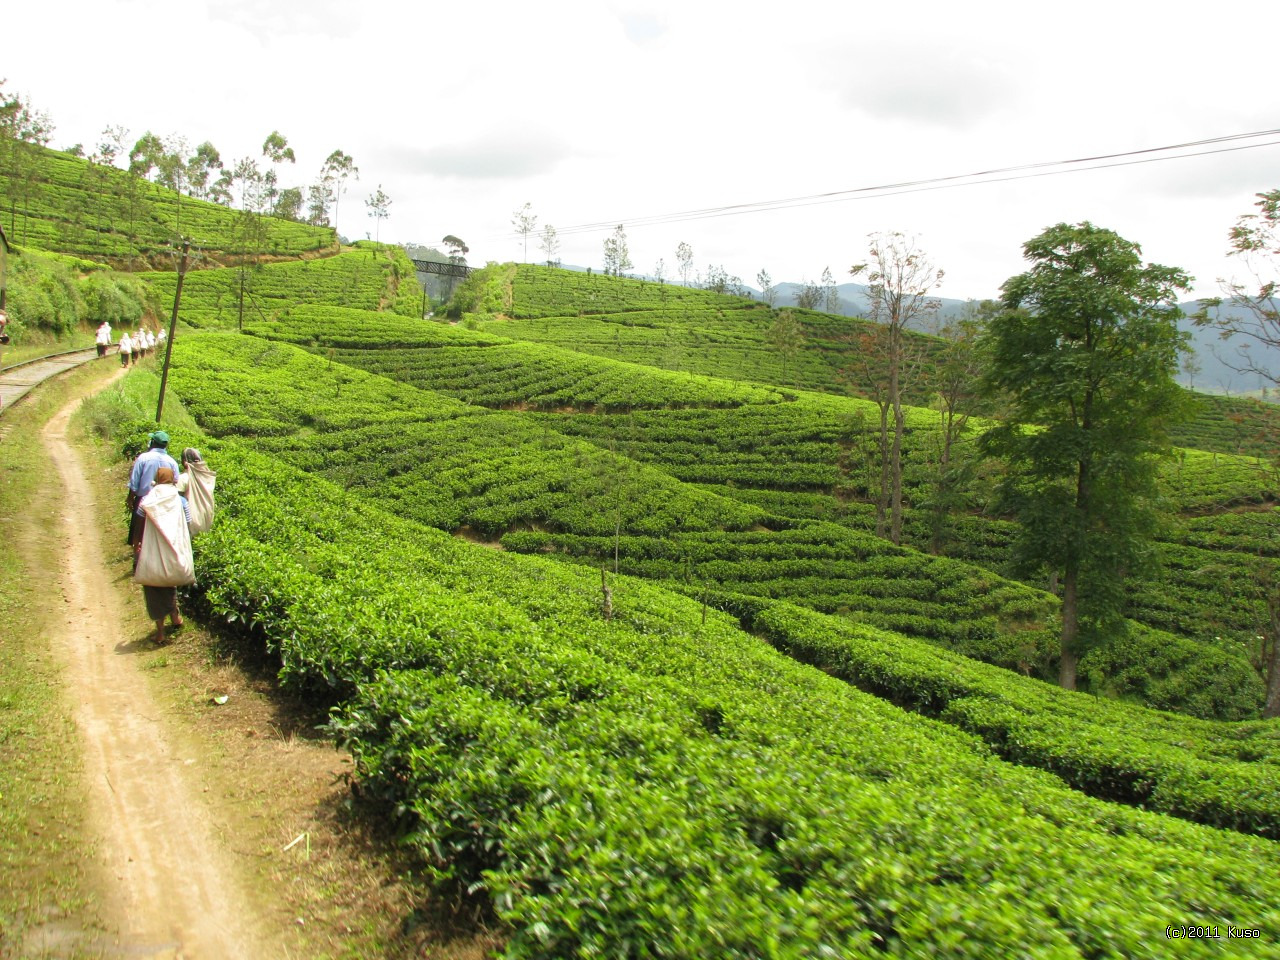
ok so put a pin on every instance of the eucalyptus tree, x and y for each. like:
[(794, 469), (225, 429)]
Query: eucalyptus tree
[(379, 205), (525, 221), (684, 257), (277, 150), (337, 170), (1084, 353), (550, 244), (617, 258), (768, 292), (899, 280)]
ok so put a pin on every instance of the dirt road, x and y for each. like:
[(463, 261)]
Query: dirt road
[(171, 876)]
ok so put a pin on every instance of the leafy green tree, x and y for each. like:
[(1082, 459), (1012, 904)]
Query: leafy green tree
[(809, 296), (288, 204), (319, 196), (22, 129), (1085, 354)]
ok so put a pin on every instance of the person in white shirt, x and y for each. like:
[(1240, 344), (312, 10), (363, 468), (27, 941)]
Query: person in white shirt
[(103, 338), (126, 349)]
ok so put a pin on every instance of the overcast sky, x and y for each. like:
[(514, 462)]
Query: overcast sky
[(605, 111)]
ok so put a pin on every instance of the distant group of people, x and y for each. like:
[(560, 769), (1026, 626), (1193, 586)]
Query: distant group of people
[(168, 503), (132, 347)]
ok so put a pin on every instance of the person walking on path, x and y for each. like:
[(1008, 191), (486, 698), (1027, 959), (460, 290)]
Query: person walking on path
[(103, 338), (196, 484), (126, 348), (165, 559), (141, 479)]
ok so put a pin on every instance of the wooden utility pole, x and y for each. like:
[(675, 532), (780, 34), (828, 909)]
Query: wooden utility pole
[(173, 328)]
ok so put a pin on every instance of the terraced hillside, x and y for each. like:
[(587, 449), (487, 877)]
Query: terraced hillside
[(645, 777), (368, 277), (56, 202), (678, 328), (800, 460)]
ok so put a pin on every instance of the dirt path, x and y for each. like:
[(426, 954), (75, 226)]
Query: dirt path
[(168, 870)]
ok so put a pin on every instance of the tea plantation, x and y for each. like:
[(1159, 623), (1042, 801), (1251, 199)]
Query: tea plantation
[(654, 784), (770, 733)]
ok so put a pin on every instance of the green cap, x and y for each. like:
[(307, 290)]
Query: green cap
[(159, 439)]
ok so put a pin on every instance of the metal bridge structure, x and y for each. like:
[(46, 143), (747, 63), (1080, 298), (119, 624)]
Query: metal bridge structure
[(443, 269)]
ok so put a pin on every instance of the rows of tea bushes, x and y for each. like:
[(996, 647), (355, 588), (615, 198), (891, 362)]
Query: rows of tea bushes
[(325, 327), (438, 460), (832, 569), (651, 785), (526, 375), (812, 447), (1239, 425), (547, 292), (366, 278), (505, 374), (698, 331), (62, 203), (1225, 774)]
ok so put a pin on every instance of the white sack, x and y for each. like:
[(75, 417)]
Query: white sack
[(200, 480), (165, 560)]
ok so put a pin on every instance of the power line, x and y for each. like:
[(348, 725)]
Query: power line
[(977, 178)]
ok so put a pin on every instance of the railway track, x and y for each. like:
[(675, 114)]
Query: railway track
[(19, 379)]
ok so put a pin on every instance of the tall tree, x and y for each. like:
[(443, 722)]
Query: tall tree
[(616, 256), (768, 293), (22, 129), (1252, 315), (830, 295), (338, 169), (786, 335), (525, 221), (550, 245), (288, 204), (379, 205), (684, 257), (809, 296), (200, 166), (953, 379), (1085, 353), (899, 280), (319, 196)]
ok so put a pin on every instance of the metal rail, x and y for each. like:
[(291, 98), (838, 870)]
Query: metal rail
[(19, 379)]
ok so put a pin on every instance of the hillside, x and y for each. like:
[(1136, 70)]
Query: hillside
[(56, 202), (549, 754), (590, 581)]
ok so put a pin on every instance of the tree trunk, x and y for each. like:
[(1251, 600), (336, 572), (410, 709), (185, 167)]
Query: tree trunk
[(1272, 706), (1070, 630), (882, 496), (895, 454)]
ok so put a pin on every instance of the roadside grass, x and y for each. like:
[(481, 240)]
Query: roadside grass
[(48, 892), (329, 883)]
